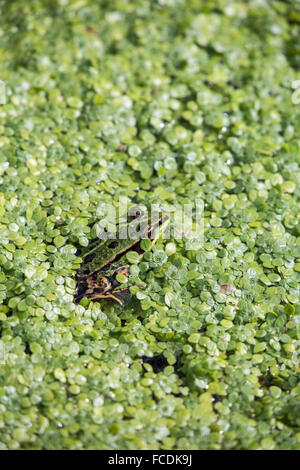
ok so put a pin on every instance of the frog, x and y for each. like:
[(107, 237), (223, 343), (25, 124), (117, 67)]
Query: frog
[(104, 260)]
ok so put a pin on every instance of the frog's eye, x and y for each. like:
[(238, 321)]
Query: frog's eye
[(135, 213), (113, 244), (163, 217)]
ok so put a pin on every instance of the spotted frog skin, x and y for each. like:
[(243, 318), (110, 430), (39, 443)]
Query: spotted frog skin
[(103, 260)]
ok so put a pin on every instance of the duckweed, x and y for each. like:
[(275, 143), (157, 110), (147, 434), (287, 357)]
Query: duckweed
[(152, 102)]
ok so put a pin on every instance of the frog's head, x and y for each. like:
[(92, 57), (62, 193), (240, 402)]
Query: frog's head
[(149, 226), (159, 225)]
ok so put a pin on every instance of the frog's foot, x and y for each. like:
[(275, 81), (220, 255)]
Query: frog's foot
[(112, 296), (124, 290), (115, 293)]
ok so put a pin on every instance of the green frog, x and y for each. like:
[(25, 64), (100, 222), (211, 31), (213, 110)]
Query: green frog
[(104, 260)]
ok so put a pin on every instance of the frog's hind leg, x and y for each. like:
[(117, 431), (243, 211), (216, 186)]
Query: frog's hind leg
[(112, 296), (124, 290), (106, 296), (118, 291)]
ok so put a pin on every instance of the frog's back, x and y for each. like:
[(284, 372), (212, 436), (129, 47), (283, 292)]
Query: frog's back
[(100, 253)]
